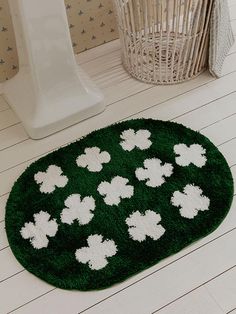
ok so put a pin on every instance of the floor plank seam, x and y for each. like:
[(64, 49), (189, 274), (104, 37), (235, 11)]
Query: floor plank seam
[(213, 297), (202, 106), (229, 140), (31, 301), (7, 127), (220, 120), (1, 150), (21, 271), (83, 311), (203, 284)]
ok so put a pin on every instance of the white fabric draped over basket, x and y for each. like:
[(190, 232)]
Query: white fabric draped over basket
[(221, 36)]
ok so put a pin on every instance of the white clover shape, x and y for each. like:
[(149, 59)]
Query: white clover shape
[(116, 190), (50, 179), (191, 201), (132, 139), (154, 172), (97, 252), (78, 209), (93, 159), (144, 225), (194, 154), (39, 231)]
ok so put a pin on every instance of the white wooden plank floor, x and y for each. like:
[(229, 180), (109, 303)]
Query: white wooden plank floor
[(201, 279)]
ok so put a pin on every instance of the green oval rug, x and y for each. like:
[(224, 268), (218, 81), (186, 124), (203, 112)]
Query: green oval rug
[(116, 202)]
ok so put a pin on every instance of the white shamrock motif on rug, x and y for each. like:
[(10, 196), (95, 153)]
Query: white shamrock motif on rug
[(78, 209), (191, 201), (116, 190), (50, 179), (145, 225), (132, 139), (39, 231), (194, 154), (97, 252), (154, 172), (93, 159)]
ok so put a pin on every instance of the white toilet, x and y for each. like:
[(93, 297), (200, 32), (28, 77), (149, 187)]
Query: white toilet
[(50, 92)]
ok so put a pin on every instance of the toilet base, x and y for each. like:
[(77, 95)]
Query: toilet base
[(48, 114), (50, 92)]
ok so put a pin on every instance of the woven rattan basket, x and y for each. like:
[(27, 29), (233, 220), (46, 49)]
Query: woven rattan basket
[(164, 41)]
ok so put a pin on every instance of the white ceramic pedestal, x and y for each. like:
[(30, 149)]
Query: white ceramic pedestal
[(50, 92)]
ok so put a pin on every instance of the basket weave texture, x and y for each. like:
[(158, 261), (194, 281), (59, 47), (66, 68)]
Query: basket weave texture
[(164, 41)]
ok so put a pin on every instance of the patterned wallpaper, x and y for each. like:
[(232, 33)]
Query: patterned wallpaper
[(8, 53), (91, 22)]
